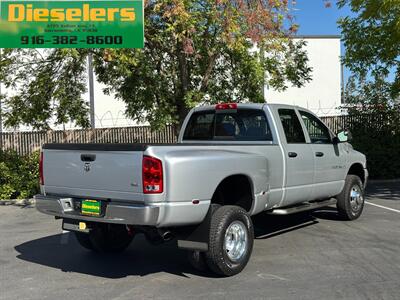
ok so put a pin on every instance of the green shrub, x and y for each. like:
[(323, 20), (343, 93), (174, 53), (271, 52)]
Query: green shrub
[(19, 175), (376, 133)]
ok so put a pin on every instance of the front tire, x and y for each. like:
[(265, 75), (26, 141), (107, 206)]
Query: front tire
[(231, 240), (350, 202)]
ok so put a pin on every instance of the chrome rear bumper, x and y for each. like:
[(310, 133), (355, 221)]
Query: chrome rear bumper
[(117, 213)]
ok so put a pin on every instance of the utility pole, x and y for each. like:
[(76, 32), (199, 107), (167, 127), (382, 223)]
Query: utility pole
[(91, 91), (343, 87), (262, 59)]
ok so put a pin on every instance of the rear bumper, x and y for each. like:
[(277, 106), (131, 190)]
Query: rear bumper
[(117, 213)]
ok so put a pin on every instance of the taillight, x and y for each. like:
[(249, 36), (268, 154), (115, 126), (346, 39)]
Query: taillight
[(226, 106), (152, 174), (41, 176)]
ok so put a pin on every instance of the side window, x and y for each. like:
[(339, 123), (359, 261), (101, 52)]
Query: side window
[(318, 132), (292, 127)]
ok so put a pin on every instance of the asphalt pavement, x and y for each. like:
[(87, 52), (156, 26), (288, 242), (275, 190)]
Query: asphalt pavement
[(305, 256)]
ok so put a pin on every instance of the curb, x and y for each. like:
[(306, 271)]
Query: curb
[(17, 202)]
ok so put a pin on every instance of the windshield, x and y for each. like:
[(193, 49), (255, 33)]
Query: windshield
[(238, 125)]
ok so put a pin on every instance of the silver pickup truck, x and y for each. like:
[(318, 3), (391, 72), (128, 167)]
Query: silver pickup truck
[(231, 161)]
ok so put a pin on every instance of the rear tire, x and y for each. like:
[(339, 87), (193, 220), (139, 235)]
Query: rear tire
[(106, 238), (231, 240), (350, 202)]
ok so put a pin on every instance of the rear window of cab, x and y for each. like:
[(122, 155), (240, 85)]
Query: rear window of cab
[(235, 125)]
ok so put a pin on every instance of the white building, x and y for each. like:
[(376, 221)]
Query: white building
[(322, 94), (109, 112)]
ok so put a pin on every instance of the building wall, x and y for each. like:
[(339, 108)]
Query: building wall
[(109, 112), (322, 95)]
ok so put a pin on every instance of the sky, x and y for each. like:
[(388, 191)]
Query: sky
[(314, 18)]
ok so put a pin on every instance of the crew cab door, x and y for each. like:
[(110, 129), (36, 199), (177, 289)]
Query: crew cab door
[(330, 160), (299, 159)]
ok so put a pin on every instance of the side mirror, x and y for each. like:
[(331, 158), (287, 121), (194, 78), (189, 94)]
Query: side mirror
[(342, 137), (335, 140)]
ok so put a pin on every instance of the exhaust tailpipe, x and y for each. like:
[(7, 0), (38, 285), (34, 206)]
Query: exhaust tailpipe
[(166, 235)]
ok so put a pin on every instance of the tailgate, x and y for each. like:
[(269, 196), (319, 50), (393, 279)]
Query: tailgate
[(108, 172)]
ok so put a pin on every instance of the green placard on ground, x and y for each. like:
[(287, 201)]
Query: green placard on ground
[(71, 24)]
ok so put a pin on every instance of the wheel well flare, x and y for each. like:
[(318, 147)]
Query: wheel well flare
[(234, 190), (358, 170)]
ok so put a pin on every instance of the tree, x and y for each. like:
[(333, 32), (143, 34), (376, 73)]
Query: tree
[(195, 52), (47, 86), (371, 39), (368, 94)]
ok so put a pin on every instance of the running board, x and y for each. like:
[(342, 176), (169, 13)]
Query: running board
[(302, 207)]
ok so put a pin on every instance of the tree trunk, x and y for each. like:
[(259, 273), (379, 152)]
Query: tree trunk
[(184, 76), (182, 111)]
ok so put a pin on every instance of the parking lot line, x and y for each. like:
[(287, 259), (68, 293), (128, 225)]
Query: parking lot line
[(384, 207)]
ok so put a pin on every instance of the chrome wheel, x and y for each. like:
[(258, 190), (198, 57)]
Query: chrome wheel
[(356, 198), (236, 241)]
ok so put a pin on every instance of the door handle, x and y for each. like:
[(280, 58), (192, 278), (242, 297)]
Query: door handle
[(88, 157), (292, 154), (319, 154)]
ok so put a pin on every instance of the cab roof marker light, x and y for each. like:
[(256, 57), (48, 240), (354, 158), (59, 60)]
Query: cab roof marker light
[(222, 106)]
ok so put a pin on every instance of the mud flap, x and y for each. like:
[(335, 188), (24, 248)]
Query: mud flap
[(195, 237)]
